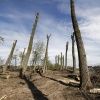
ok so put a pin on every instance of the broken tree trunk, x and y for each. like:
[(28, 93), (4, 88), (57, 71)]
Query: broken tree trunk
[(46, 55), (9, 57), (73, 53), (26, 58), (85, 82), (66, 55)]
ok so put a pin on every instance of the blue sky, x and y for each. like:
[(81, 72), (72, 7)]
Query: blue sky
[(17, 18)]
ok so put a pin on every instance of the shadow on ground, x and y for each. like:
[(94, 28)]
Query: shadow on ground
[(37, 94)]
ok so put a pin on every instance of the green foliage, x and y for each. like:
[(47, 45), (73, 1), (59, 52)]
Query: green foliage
[(38, 52)]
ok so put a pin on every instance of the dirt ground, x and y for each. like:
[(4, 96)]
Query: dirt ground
[(54, 85)]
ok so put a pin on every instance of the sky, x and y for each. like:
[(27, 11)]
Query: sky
[(17, 18)]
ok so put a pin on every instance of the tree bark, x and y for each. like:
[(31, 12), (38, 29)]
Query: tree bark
[(85, 82), (26, 58), (46, 54), (73, 53), (9, 57), (66, 55)]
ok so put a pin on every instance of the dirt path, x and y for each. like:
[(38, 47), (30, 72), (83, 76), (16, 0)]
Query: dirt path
[(51, 86)]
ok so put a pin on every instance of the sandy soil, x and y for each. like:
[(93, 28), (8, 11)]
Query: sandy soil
[(54, 85)]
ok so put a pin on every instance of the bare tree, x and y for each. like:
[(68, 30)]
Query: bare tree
[(61, 61), (66, 55), (85, 82), (9, 57), (26, 58), (22, 55), (46, 54), (73, 53)]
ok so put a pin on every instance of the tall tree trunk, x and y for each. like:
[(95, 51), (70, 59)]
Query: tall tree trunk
[(66, 55), (73, 53), (23, 54), (85, 82), (46, 54), (61, 61), (9, 57), (26, 58), (58, 60)]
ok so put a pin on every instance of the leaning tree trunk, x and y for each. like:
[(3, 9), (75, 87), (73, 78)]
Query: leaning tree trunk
[(85, 82), (73, 53), (26, 58), (9, 57), (46, 54), (66, 55)]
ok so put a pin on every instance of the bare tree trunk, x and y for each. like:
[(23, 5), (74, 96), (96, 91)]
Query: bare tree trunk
[(85, 82), (61, 61), (73, 53), (66, 55), (46, 54), (26, 58), (55, 59), (23, 54), (9, 57), (58, 60)]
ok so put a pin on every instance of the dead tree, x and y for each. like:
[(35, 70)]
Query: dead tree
[(66, 55), (22, 57), (73, 53), (9, 57), (61, 61), (46, 54), (58, 60), (55, 59), (26, 58), (85, 82)]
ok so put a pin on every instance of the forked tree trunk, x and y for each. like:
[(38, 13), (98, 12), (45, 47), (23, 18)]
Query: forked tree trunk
[(85, 82), (9, 57), (22, 57), (46, 55), (26, 58), (66, 55), (73, 53)]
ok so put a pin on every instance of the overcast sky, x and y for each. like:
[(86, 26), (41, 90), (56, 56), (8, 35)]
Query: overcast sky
[(17, 19)]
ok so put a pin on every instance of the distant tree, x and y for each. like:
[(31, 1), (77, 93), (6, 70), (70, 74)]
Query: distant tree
[(22, 55), (1, 61), (26, 58), (85, 82), (46, 54), (1, 39), (15, 57), (38, 52)]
